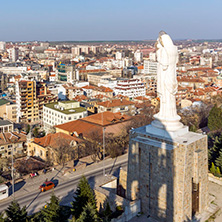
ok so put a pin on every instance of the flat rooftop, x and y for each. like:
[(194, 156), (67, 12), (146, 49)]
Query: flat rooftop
[(65, 111)]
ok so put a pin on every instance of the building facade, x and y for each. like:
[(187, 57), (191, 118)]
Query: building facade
[(61, 112), (131, 88), (26, 100)]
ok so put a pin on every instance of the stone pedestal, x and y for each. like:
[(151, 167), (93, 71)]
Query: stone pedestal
[(167, 171)]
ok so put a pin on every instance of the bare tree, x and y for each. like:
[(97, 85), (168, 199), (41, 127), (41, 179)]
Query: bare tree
[(63, 151), (93, 145)]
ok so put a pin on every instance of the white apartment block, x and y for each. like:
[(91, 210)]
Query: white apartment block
[(131, 88), (61, 112), (13, 54), (2, 46), (138, 56), (150, 67), (120, 55)]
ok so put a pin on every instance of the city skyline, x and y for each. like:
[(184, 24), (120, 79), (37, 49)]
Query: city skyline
[(108, 21)]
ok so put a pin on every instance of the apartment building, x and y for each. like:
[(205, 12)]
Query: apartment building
[(30, 98), (65, 73), (12, 143), (150, 67), (8, 110), (26, 100), (61, 112), (131, 88), (138, 56)]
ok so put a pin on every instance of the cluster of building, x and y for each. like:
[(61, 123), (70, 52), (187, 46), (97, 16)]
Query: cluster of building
[(63, 89)]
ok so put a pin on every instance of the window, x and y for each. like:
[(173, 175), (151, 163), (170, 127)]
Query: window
[(70, 118), (40, 152)]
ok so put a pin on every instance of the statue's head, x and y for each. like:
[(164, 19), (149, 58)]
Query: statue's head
[(164, 39)]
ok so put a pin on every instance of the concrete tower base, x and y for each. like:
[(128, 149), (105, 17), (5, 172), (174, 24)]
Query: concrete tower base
[(167, 171)]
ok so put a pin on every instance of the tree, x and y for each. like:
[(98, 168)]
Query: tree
[(1, 217), (64, 151), (83, 195), (215, 119), (93, 144), (35, 132), (89, 213), (214, 151), (52, 211), (107, 213), (212, 169), (218, 161), (14, 213), (195, 116), (27, 128)]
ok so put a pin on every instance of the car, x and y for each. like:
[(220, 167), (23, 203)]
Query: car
[(46, 186)]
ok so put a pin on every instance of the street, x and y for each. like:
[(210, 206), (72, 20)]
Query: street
[(34, 200)]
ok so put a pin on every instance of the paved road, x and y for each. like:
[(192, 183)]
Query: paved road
[(34, 200)]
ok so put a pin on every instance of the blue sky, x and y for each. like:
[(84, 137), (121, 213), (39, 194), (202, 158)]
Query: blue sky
[(85, 20)]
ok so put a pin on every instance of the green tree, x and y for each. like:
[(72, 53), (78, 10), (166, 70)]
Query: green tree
[(107, 212), (36, 132), (14, 213), (218, 171), (1, 217), (83, 195), (215, 118), (214, 151), (218, 161), (52, 212), (212, 169), (89, 213)]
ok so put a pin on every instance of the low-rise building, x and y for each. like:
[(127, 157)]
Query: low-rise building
[(61, 112), (47, 146), (117, 105), (3, 191), (6, 126), (114, 124), (8, 110), (12, 143)]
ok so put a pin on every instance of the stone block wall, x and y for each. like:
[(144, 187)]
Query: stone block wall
[(161, 172)]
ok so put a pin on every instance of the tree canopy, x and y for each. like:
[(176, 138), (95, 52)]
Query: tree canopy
[(84, 195), (14, 213)]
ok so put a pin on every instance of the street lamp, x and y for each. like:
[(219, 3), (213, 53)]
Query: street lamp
[(13, 182), (104, 128), (104, 173)]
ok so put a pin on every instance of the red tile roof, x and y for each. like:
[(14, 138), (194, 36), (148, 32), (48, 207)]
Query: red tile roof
[(114, 123), (116, 102), (52, 139)]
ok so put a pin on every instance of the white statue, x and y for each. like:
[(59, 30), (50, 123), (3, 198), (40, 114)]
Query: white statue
[(167, 57)]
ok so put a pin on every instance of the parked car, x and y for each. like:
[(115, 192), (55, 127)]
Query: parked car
[(46, 186)]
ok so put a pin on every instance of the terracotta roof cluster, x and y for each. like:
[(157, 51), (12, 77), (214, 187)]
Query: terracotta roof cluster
[(80, 98), (114, 123), (51, 140), (92, 71), (142, 98), (199, 69), (89, 87), (189, 79), (103, 89), (116, 103), (12, 137)]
